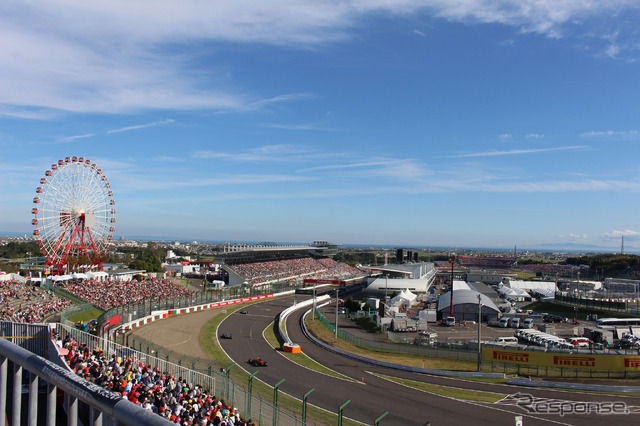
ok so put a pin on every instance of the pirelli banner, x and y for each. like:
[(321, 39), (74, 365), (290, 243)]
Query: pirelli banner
[(561, 360)]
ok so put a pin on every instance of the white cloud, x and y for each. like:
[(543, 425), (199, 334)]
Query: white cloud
[(310, 126), (619, 234), (420, 33), (505, 136), (141, 126), (132, 182), (534, 136), (122, 56), (517, 152), (612, 134), (396, 169), (578, 236), (281, 152), (73, 138)]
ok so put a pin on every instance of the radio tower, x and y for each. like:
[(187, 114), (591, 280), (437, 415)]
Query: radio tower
[(622, 247)]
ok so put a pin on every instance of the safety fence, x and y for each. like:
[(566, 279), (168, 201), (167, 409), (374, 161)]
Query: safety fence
[(64, 315), (33, 337), (610, 304), (469, 351), (127, 313), (557, 372), (31, 387), (213, 377)]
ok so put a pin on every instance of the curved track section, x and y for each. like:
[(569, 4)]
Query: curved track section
[(406, 406), (371, 396)]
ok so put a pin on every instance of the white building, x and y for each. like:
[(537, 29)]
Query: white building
[(416, 278), (180, 269)]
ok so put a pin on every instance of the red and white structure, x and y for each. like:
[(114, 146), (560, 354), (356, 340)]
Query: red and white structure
[(73, 216)]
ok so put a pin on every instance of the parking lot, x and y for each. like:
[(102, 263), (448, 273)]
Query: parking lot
[(462, 333)]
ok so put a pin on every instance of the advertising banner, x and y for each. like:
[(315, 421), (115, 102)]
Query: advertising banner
[(562, 360)]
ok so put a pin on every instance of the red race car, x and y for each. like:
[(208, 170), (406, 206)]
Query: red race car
[(257, 362)]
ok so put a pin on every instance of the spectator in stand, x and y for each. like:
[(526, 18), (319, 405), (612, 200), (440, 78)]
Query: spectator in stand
[(23, 303), (171, 397), (294, 270), (106, 295)]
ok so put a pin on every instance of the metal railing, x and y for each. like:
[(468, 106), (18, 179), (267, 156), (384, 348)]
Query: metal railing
[(64, 315), (196, 371), (30, 381), (469, 351), (608, 305)]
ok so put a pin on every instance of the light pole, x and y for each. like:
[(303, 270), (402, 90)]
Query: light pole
[(479, 324), (336, 336), (313, 312), (386, 287), (452, 261)]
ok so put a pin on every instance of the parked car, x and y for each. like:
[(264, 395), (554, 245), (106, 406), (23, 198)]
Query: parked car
[(506, 341), (553, 318), (580, 342), (504, 322)]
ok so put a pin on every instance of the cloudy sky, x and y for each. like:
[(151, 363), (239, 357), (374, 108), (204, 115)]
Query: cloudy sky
[(409, 122)]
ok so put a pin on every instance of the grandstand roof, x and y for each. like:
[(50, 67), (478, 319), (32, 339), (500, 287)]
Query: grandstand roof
[(382, 285), (532, 285)]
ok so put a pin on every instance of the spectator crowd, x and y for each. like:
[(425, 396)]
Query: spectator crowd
[(552, 269), (171, 397), (25, 303), (106, 295), (294, 270)]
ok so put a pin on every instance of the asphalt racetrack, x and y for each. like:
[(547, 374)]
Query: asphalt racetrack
[(370, 395)]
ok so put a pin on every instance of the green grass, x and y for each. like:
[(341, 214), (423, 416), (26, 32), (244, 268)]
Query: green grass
[(321, 332), (448, 391), (209, 343), (88, 315), (564, 311), (184, 282), (525, 276), (273, 337)]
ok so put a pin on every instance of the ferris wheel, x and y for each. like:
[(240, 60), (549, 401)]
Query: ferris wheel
[(74, 216)]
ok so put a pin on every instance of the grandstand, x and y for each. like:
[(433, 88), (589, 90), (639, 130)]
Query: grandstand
[(266, 263), (20, 302), (487, 261), (548, 269)]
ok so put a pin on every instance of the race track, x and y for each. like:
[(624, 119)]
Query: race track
[(369, 399)]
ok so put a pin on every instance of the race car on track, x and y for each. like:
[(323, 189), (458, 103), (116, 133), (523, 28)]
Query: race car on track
[(225, 336), (257, 362)]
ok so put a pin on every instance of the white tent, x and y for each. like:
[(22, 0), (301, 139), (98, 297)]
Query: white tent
[(404, 297), (97, 275), (61, 278), (79, 275)]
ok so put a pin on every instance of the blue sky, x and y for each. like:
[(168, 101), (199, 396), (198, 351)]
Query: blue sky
[(435, 122)]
